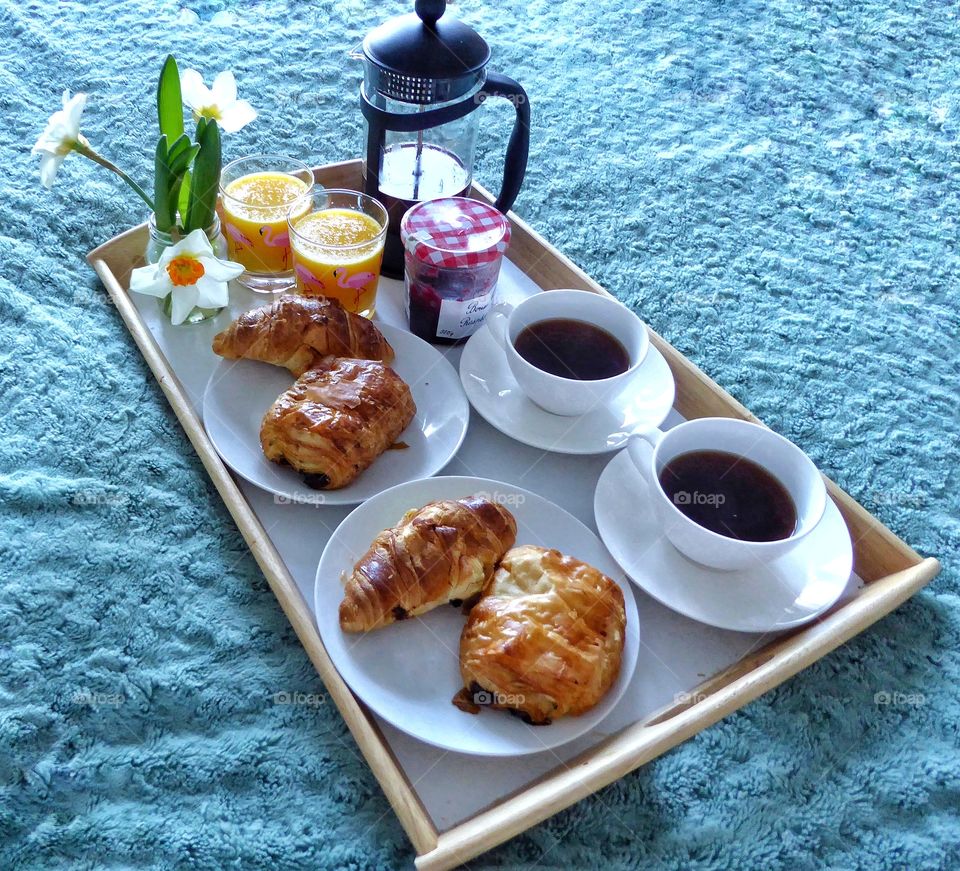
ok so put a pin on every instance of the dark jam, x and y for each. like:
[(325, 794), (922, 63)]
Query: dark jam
[(730, 495), (429, 287), (572, 349)]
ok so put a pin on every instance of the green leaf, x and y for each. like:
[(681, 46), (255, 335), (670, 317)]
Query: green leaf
[(178, 147), (183, 197), (170, 101), (180, 163), (163, 215), (204, 186)]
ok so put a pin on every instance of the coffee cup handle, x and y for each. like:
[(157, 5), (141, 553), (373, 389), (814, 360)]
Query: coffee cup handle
[(640, 447), (497, 323)]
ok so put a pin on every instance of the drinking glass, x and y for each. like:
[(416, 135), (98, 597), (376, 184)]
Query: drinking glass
[(337, 240), (256, 197)]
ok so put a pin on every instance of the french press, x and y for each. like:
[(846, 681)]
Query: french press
[(424, 74)]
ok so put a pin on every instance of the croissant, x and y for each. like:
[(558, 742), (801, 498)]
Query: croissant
[(337, 419), (443, 552), (545, 640), (296, 331)]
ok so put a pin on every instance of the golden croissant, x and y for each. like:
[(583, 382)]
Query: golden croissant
[(443, 552), (545, 640), (296, 332), (337, 419)]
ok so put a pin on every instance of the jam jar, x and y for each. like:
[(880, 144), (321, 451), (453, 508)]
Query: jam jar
[(453, 247)]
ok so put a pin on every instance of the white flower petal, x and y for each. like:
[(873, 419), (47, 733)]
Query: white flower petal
[(49, 164), (195, 93), (195, 244), (211, 293), (220, 270), (151, 281), (236, 116), (184, 300), (224, 89), (72, 110)]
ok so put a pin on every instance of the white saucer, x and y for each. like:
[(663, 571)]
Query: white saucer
[(239, 393), (786, 592), (409, 672), (497, 397)]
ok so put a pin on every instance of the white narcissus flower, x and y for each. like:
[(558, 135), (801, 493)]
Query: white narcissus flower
[(218, 102), (190, 271), (60, 137)]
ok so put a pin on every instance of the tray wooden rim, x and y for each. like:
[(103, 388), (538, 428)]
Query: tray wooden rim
[(893, 572)]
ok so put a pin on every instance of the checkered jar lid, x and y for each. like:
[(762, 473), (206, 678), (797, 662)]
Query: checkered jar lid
[(455, 232)]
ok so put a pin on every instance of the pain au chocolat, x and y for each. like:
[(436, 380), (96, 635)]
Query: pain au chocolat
[(336, 419)]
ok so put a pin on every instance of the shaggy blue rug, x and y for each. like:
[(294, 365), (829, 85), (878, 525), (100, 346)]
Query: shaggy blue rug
[(771, 184)]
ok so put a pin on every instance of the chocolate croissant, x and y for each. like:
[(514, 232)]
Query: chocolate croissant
[(296, 332), (337, 419), (545, 640), (443, 552)]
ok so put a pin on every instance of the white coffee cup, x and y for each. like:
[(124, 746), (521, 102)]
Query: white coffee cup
[(780, 457), (568, 396)]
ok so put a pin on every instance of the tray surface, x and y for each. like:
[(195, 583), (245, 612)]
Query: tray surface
[(669, 665), (671, 695)]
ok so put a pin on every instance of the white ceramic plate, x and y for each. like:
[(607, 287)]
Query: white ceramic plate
[(769, 597), (408, 673), (495, 394), (240, 392)]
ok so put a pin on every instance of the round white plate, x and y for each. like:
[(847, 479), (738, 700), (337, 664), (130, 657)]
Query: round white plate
[(495, 394), (770, 597), (409, 672), (240, 392)]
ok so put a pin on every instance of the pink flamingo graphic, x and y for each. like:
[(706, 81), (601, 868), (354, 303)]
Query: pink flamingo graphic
[(235, 234), (309, 279), (357, 283), (278, 240)]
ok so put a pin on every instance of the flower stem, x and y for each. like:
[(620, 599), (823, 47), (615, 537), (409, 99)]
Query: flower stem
[(84, 149)]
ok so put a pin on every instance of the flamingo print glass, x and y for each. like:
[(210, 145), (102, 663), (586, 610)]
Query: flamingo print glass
[(256, 197), (337, 242)]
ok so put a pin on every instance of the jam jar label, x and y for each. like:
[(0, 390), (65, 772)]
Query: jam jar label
[(462, 317)]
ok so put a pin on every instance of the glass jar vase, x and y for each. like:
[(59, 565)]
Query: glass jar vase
[(159, 240)]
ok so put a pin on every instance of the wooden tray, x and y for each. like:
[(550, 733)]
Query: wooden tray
[(890, 570)]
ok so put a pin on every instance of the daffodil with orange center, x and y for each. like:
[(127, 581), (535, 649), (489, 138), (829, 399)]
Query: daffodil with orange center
[(190, 272)]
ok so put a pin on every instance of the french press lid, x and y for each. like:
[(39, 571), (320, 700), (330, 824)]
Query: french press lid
[(425, 57)]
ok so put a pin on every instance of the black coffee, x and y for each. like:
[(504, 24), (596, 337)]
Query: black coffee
[(730, 495), (572, 349)]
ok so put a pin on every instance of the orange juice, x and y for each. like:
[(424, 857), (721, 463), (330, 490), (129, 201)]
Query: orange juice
[(255, 208), (337, 252)]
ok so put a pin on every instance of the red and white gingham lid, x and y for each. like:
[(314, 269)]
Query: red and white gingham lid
[(455, 232)]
